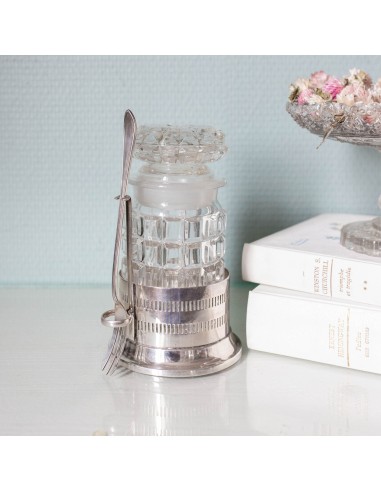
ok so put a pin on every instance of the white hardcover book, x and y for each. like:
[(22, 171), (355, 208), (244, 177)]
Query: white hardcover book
[(307, 326), (308, 257)]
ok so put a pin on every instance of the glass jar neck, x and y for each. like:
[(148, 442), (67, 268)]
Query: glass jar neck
[(175, 186)]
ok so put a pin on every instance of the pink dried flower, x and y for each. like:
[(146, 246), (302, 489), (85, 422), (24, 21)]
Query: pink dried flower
[(376, 93), (315, 99), (302, 84), (361, 93), (304, 96), (368, 118), (354, 93), (346, 96), (357, 75), (333, 87), (318, 79)]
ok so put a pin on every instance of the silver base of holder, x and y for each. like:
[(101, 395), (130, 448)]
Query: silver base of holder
[(176, 332), (182, 363), (363, 237)]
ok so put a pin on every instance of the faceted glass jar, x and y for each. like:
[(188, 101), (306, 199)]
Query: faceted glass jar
[(178, 227)]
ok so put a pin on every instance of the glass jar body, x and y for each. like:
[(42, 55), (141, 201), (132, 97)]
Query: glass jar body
[(178, 228)]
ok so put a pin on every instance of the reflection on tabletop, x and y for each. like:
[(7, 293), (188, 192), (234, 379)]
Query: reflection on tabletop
[(146, 405), (263, 395)]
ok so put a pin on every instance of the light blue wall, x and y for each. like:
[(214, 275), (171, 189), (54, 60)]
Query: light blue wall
[(61, 148)]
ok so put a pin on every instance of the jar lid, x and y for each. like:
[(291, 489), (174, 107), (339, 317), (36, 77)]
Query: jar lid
[(179, 144)]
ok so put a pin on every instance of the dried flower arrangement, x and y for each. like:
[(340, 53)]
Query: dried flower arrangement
[(355, 88), (347, 109)]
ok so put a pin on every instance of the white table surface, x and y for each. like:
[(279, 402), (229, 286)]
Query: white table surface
[(51, 349)]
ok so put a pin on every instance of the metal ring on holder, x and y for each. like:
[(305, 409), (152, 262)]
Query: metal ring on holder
[(113, 323)]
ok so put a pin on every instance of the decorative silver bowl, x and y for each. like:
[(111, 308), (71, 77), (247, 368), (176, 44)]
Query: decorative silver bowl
[(360, 125)]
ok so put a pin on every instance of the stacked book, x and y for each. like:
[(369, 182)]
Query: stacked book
[(317, 299)]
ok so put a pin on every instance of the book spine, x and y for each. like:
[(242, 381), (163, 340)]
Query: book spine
[(315, 274), (316, 330)]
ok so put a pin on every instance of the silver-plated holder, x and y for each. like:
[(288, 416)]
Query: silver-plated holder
[(171, 332)]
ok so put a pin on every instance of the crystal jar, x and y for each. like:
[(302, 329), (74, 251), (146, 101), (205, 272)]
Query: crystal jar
[(171, 315), (178, 227)]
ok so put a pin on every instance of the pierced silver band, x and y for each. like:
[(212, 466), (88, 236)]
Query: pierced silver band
[(186, 317)]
